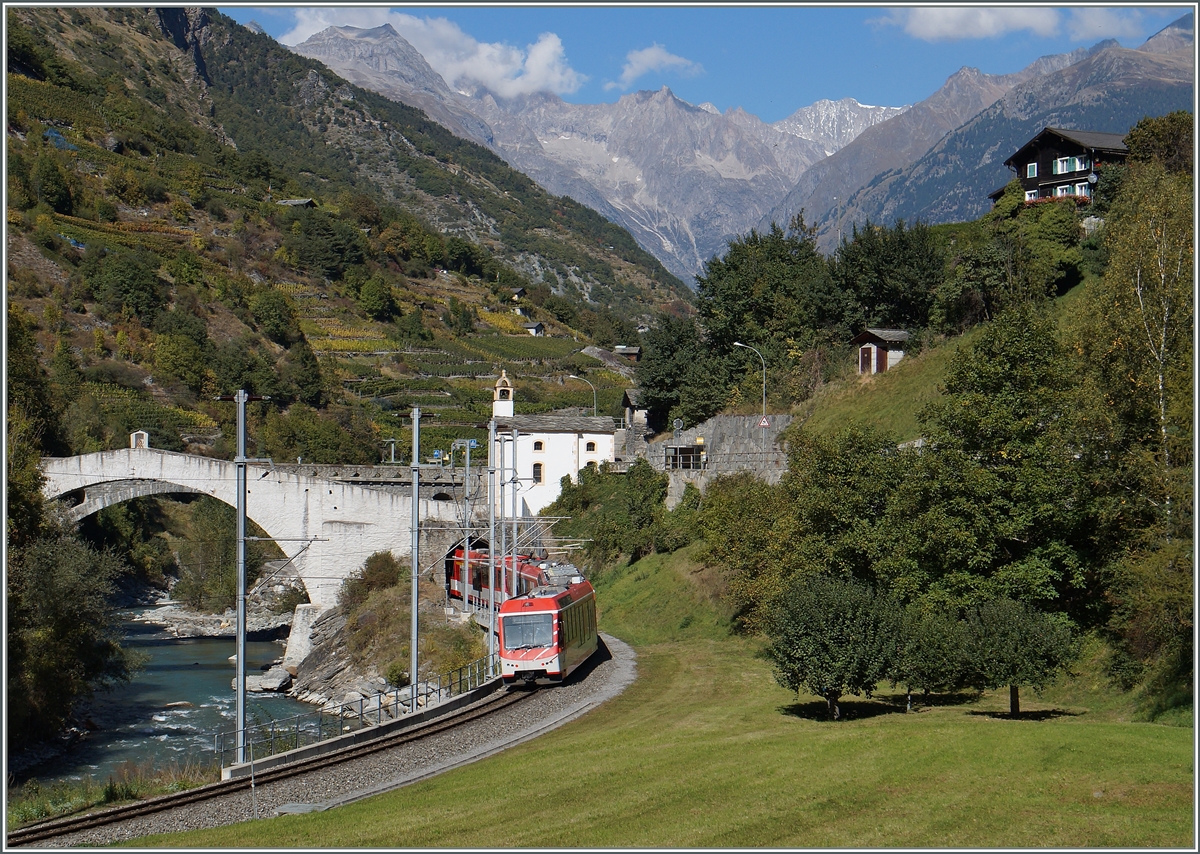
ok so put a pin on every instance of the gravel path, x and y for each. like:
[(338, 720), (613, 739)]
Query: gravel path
[(608, 674)]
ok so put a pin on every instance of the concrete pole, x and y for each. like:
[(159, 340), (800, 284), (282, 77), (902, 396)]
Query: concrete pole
[(515, 512), (416, 552), (466, 529), (240, 466), (503, 528), (491, 541)]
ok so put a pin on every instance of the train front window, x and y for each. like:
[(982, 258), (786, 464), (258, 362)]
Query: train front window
[(528, 631)]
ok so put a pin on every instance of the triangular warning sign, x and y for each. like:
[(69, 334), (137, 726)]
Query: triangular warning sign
[(764, 423)]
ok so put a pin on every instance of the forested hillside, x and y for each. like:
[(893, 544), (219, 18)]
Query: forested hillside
[(1050, 494), (193, 209)]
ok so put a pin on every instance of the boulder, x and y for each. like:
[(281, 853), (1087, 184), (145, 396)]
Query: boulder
[(275, 679)]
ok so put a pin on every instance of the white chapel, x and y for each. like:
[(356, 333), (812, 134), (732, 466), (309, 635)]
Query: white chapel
[(547, 447)]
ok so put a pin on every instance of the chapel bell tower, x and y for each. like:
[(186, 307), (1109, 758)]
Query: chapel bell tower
[(502, 397)]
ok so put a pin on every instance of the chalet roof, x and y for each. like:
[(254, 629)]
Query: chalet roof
[(633, 397), (297, 203), (884, 336), (558, 423), (623, 350), (1109, 143), (533, 325)]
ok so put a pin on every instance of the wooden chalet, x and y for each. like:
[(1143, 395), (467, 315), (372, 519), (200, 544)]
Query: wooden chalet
[(1060, 162)]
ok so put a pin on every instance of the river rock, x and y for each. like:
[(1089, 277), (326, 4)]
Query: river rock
[(275, 679)]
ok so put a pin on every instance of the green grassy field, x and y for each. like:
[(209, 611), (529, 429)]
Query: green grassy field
[(705, 750)]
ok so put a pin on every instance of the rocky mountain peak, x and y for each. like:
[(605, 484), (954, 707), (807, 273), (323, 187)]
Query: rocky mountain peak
[(835, 124), (1177, 35)]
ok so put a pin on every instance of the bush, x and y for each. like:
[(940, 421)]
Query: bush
[(381, 570)]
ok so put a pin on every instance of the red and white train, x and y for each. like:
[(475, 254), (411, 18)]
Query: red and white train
[(548, 632), (547, 617)]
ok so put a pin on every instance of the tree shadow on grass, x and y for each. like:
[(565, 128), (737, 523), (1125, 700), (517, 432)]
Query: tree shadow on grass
[(920, 702), (1034, 715), (851, 710), (886, 704)]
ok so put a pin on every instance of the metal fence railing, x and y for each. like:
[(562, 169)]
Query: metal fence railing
[(266, 738)]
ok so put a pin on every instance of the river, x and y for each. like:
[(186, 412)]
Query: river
[(167, 715)]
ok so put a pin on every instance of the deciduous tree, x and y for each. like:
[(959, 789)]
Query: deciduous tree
[(832, 637), (1013, 644)]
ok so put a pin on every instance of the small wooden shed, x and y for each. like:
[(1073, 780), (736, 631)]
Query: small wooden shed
[(879, 349)]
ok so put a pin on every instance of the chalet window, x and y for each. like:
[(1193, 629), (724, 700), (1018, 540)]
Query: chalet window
[(591, 447), (1084, 189), (537, 472), (1063, 165), (1064, 190), (538, 446), (1031, 170), (1031, 195)]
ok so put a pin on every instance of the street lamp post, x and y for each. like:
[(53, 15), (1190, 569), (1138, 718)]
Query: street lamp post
[(593, 392), (763, 422)]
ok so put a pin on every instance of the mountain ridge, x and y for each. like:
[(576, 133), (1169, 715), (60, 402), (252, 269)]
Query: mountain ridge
[(688, 206)]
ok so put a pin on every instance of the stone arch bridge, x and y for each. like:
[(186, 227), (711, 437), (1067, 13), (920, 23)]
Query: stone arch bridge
[(326, 519)]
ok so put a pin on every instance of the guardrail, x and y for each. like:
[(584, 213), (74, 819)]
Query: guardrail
[(266, 738)]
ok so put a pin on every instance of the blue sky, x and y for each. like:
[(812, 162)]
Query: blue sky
[(768, 59)]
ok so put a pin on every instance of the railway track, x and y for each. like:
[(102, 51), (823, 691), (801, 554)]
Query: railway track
[(57, 828)]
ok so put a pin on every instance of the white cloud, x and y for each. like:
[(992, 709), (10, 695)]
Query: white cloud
[(460, 59), (1093, 24), (949, 23), (653, 58)]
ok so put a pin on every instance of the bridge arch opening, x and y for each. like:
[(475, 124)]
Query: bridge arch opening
[(82, 506)]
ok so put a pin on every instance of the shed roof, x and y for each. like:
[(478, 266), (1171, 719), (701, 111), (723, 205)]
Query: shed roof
[(884, 336)]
